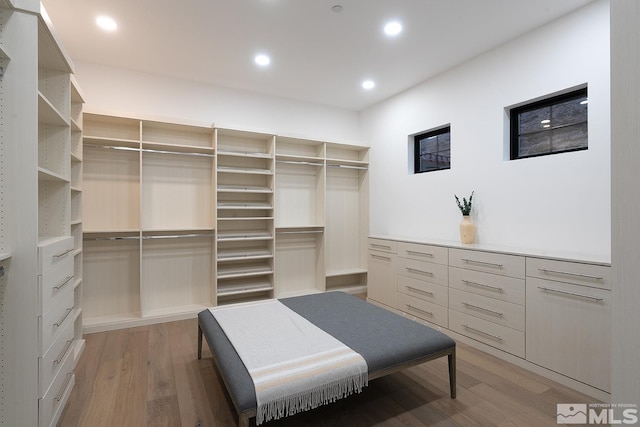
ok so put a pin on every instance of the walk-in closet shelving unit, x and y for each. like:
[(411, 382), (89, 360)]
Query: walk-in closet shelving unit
[(149, 220), (245, 215), (347, 218)]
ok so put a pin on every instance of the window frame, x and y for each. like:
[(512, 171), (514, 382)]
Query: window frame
[(514, 114), (416, 148)]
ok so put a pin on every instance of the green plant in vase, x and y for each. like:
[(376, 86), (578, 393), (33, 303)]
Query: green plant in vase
[(467, 228)]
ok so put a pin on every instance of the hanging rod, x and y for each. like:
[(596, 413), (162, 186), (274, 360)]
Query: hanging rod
[(294, 162), (151, 150), (112, 238), (301, 232), (178, 236), (347, 166), (182, 153)]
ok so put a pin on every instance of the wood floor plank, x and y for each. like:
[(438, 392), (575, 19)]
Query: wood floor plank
[(132, 391)]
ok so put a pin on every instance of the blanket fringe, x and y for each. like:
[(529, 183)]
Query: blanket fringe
[(310, 399)]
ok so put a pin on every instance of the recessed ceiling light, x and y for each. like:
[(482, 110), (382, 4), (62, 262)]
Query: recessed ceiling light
[(337, 8), (368, 84), (106, 23), (393, 28), (262, 60)]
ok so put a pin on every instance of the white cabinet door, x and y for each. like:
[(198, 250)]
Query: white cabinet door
[(569, 329), (381, 283)]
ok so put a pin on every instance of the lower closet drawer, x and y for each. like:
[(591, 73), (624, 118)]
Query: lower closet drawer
[(427, 291), (490, 333), (432, 313), (49, 365), (52, 323), (51, 405), (53, 283), (493, 310)]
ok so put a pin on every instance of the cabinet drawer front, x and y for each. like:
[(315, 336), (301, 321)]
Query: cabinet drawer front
[(436, 254), (489, 262), (427, 291), (493, 310), (569, 330), (490, 333), (432, 313), (383, 245), (49, 365), (52, 283), (52, 323), (52, 252), (597, 276), (51, 405), (491, 285), (435, 273)]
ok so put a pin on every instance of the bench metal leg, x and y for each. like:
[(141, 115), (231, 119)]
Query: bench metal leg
[(452, 373), (199, 342)]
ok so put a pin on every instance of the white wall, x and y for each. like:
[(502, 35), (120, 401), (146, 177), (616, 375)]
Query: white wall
[(555, 203), (122, 92)]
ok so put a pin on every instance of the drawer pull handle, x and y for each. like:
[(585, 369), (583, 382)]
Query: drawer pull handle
[(411, 288), (573, 294), (495, 337), (568, 273), (380, 246), (420, 310), (58, 398), (413, 270), (63, 253), (63, 353), (60, 322), (490, 264), (380, 257), (66, 280), (482, 285), (420, 253), (497, 313)]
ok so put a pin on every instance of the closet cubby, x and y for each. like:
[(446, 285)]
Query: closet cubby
[(299, 259)]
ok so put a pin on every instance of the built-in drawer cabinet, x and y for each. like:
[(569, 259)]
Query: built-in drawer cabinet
[(432, 313), (432, 292), (490, 333), (50, 406), (490, 285), (421, 270), (569, 330), (49, 365), (488, 262), (430, 253), (491, 309), (381, 282), (593, 275)]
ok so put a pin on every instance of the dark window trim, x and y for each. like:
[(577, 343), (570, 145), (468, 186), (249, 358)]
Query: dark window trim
[(416, 148), (515, 112)]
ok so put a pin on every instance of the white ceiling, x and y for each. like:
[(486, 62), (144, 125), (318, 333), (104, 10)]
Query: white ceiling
[(317, 55)]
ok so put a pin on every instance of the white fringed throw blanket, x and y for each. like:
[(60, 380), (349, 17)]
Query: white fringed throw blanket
[(295, 366)]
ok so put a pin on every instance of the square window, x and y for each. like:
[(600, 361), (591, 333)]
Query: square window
[(432, 150), (553, 125)]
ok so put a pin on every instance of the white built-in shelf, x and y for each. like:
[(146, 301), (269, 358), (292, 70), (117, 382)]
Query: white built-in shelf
[(243, 235), (346, 272), (244, 205), (243, 271), (243, 254), (76, 189), (223, 188), (244, 288), (75, 126), (300, 160), (255, 155), (3, 52), (5, 255), (176, 310), (75, 157), (253, 171), (47, 175), (48, 114), (177, 148), (347, 164)]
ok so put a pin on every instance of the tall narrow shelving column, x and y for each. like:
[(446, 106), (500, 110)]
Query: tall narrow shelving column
[(299, 212), (347, 217), (245, 222)]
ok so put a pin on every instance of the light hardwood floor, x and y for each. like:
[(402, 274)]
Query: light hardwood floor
[(150, 376)]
